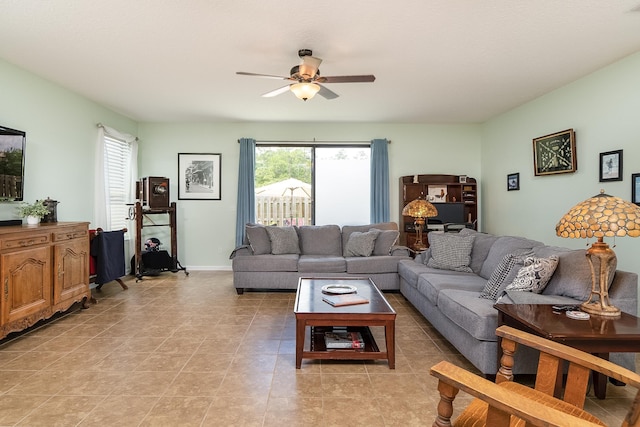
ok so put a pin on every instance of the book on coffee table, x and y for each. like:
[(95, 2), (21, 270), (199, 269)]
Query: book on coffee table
[(343, 340), (341, 300)]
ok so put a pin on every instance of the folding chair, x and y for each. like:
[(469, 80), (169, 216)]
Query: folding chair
[(107, 257)]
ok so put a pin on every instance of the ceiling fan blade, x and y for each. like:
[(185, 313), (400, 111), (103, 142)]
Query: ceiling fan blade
[(365, 78), (309, 66), (276, 92), (326, 93), (268, 76)]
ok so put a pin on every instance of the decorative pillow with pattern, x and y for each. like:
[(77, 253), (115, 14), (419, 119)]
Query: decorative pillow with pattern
[(535, 274), (450, 251), (361, 244), (284, 240), (502, 276)]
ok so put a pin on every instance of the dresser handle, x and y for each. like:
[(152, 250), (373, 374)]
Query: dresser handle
[(6, 289)]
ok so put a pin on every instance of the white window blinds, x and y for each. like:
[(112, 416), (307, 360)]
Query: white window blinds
[(117, 159)]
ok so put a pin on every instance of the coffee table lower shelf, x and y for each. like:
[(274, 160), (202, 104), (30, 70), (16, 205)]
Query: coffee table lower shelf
[(318, 349)]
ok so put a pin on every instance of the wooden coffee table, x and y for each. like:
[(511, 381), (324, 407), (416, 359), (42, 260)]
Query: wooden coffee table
[(598, 335), (311, 310)]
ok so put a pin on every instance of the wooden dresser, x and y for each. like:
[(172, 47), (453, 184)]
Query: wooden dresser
[(44, 269)]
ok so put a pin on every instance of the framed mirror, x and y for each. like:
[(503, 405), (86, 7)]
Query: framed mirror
[(12, 144)]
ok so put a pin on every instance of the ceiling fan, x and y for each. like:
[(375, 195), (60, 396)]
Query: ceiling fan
[(307, 79)]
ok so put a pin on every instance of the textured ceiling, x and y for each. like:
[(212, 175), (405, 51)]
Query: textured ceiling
[(435, 61)]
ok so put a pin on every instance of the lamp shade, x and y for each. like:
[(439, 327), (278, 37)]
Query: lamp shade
[(419, 208), (600, 216), (305, 90)]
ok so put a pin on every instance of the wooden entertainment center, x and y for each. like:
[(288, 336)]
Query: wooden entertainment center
[(44, 269), (454, 196)]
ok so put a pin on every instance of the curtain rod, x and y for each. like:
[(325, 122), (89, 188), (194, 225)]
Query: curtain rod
[(314, 141), (100, 125)]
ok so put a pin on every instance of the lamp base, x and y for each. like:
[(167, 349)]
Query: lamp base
[(598, 302), (597, 309), (419, 247)]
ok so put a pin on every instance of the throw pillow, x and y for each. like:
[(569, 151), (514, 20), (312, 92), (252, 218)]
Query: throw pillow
[(450, 251), (361, 244), (284, 240), (258, 239), (385, 241), (535, 274), (504, 273)]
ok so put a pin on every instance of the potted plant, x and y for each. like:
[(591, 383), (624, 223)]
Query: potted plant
[(33, 211)]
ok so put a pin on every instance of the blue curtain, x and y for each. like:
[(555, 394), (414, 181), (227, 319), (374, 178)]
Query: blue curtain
[(246, 210), (379, 181)]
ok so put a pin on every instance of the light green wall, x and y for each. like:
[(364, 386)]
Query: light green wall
[(603, 110), (207, 228), (61, 135)]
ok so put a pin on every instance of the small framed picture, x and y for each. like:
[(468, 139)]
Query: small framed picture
[(462, 179), (611, 166), (513, 181), (635, 188), (199, 176), (555, 153)]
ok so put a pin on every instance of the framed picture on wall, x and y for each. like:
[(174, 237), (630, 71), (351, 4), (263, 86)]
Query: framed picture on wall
[(199, 176), (611, 166), (555, 153), (635, 188), (513, 181)]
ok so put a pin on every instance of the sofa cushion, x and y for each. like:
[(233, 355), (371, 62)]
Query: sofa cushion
[(266, 263), (535, 274), (409, 270), (385, 241), (502, 246), (517, 297), (348, 229), (502, 276), (321, 264), (475, 315), (481, 246), (320, 240), (361, 244), (450, 251), (572, 277), (373, 264), (432, 282), (258, 239), (284, 240)]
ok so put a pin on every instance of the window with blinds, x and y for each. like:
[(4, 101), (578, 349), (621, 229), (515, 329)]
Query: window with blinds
[(117, 158)]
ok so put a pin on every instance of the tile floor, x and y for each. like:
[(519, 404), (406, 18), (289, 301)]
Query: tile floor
[(187, 351)]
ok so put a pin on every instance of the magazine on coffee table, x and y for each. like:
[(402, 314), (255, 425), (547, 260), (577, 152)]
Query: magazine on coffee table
[(343, 340), (342, 300)]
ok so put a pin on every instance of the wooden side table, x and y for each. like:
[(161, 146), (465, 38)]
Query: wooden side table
[(597, 335)]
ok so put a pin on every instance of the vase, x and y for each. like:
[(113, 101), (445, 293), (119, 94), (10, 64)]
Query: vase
[(32, 220)]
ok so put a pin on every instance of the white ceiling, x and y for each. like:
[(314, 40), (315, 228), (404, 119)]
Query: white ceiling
[(435, 61)]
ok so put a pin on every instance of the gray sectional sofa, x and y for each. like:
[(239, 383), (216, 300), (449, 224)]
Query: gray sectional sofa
[(458, 298), (276, 257)]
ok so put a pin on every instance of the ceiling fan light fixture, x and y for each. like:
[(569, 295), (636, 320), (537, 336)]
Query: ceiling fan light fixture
[(305, 90)]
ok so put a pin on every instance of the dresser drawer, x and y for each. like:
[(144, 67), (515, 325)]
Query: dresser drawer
[(70, 234), (25, 241)]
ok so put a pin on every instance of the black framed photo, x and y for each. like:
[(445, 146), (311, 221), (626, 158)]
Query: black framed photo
[(555, 153), (635, 188), (611, 166), (513, 181), (199, 176)]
